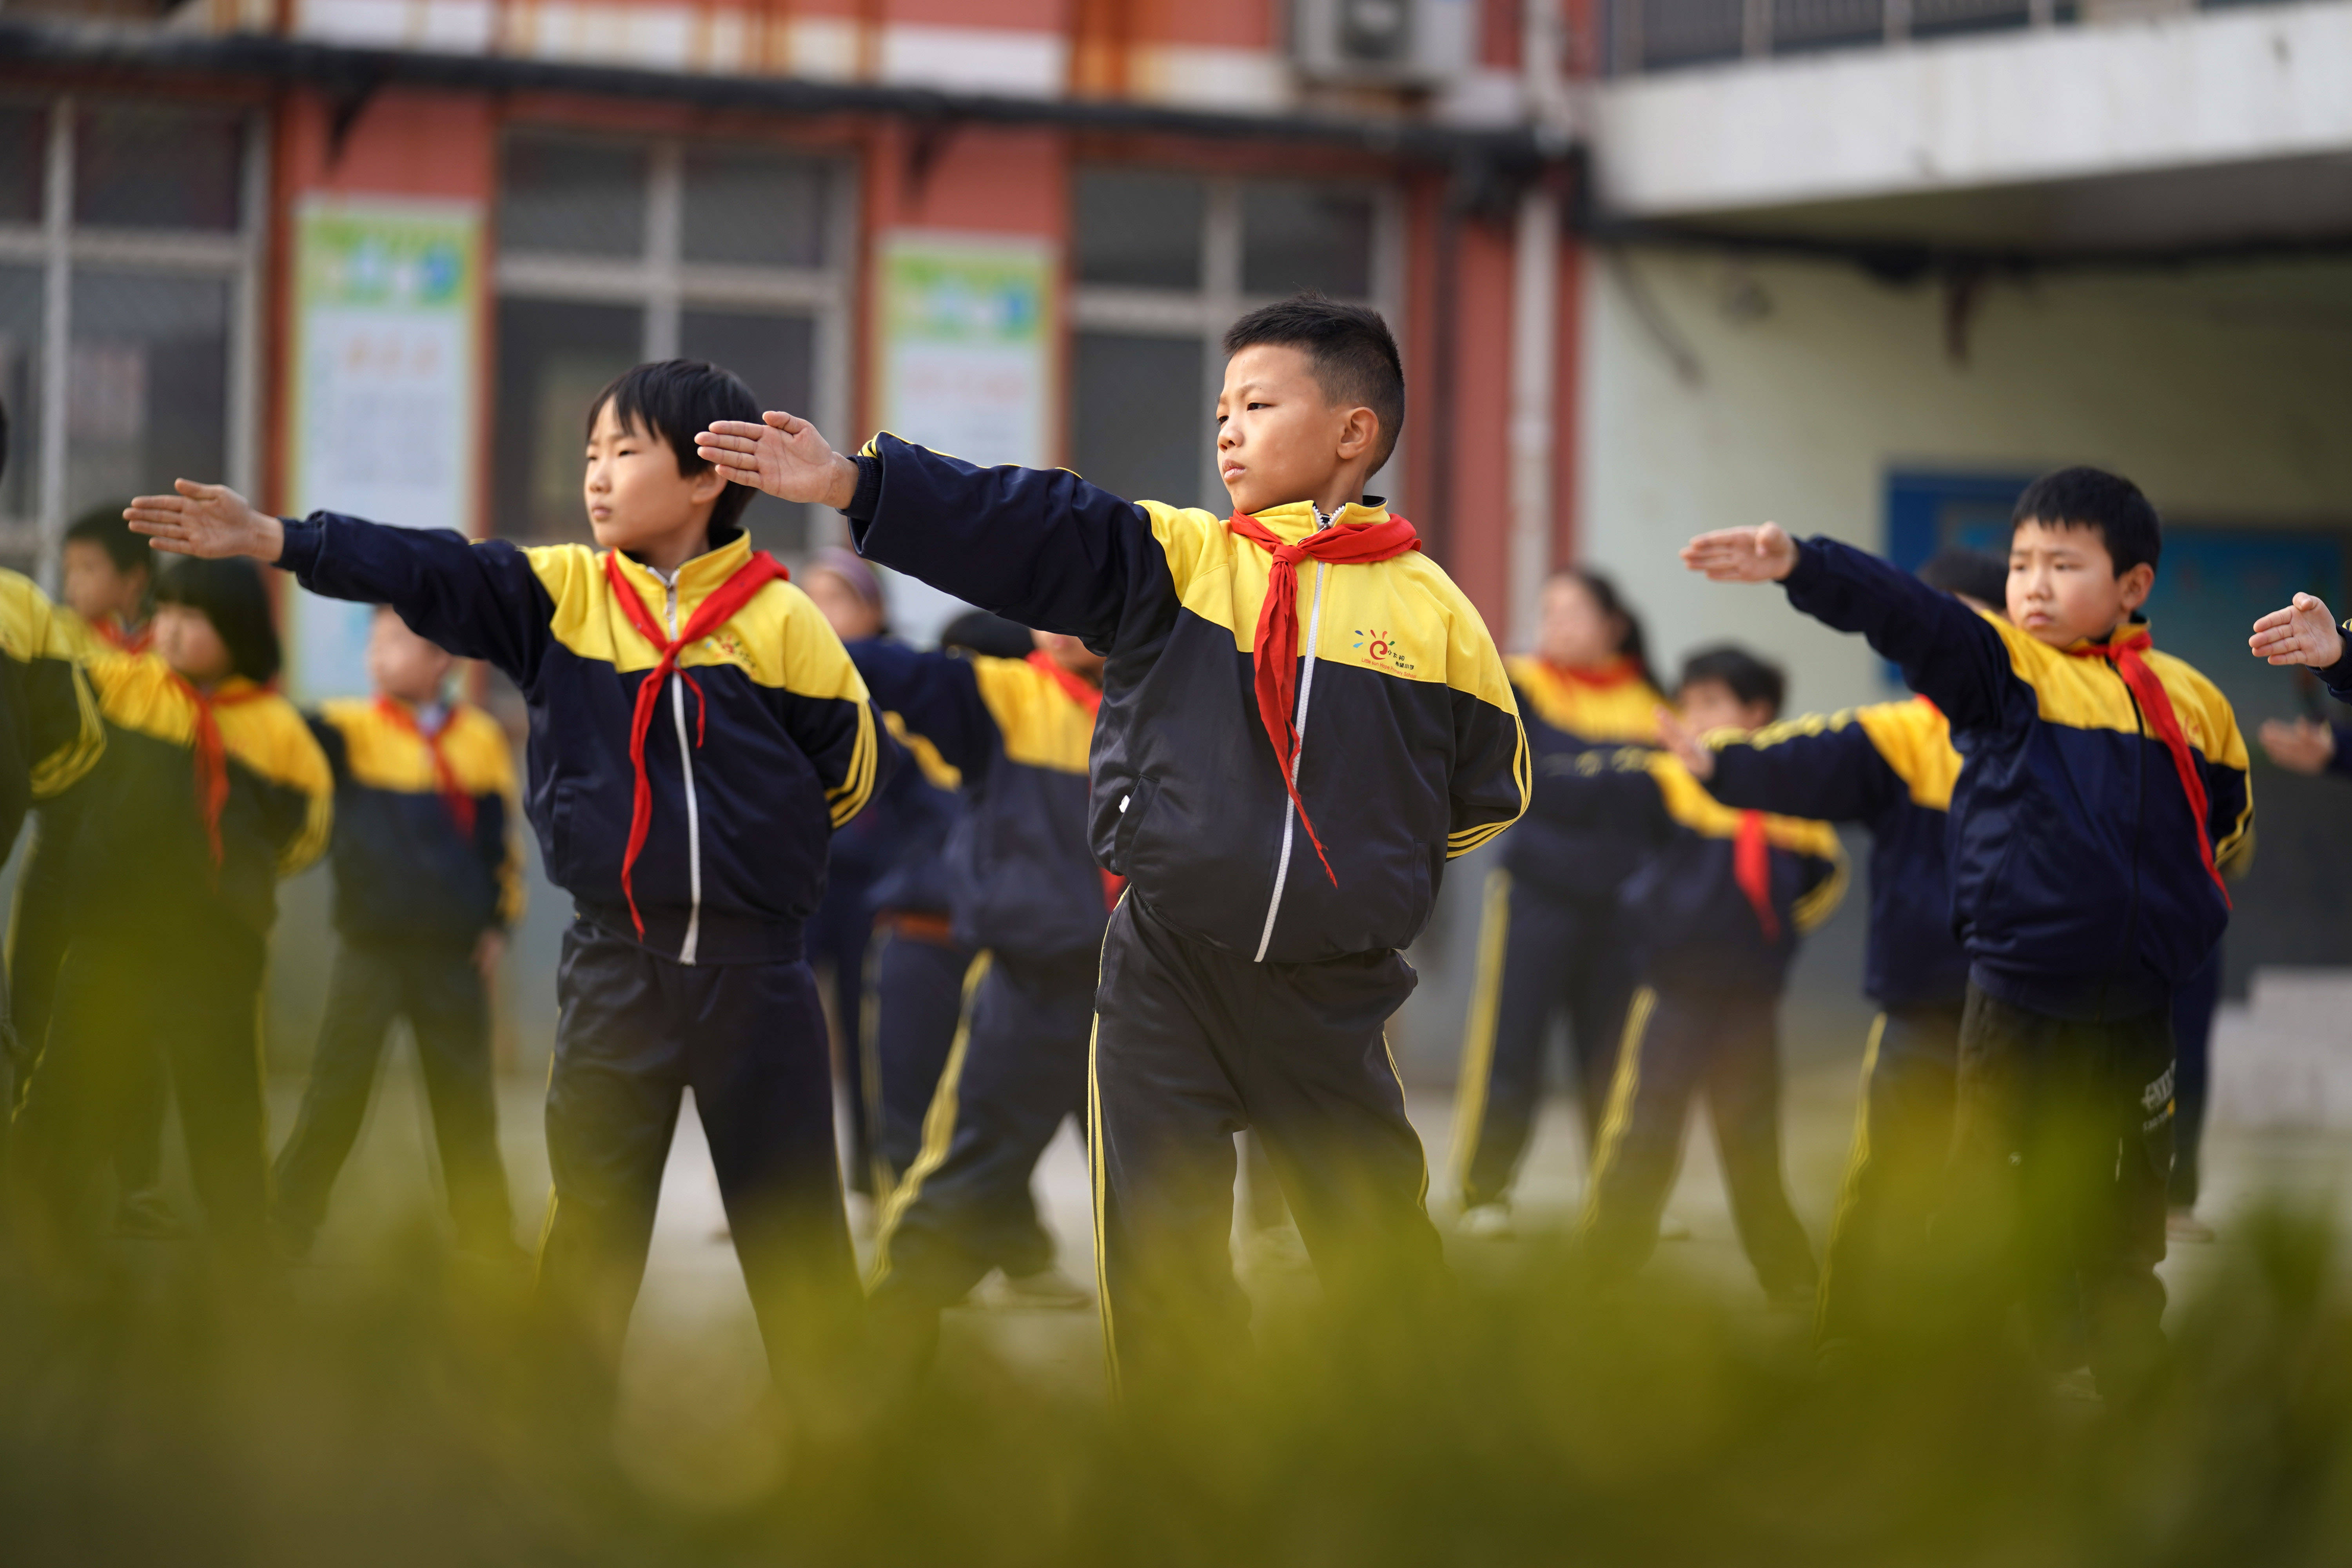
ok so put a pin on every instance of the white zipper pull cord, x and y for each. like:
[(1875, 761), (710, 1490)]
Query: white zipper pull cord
[(1297, 756), (693, 809)]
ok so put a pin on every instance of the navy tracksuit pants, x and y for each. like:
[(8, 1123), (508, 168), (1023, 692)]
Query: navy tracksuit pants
[(1538, 957), (1194, 1044), (2193, 1007), (635, 1030), (433, 985), (1877, 1261), (914, 998), (1680, 1044), (840, 936), (1017, 1068), (192, 996)]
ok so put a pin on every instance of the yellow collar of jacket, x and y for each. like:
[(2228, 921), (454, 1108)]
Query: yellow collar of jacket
[(1294, 521)]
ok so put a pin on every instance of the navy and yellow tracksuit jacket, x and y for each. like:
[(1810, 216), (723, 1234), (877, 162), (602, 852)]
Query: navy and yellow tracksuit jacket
[(912, 819), (50, 731), (1411, 751), (139, 856), (1020, 872), (409, 868), (1583, 860), (1891, 767), (749, 779), (2078, 888), (1696, 927)]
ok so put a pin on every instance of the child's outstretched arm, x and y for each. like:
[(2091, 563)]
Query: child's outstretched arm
[(478, 601), (1947, 652), (1824, 768), (1039, 546), (935, 695)]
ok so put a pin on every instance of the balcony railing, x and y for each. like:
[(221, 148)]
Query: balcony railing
[(1660, 35)]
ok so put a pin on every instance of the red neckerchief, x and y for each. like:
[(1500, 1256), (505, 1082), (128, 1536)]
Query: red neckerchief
[(1600, 677), (714, 611), (1752, 868), (2157, 704), (460, 804), (1087, 696), (211, 752), (1274, 653), (138, 641)]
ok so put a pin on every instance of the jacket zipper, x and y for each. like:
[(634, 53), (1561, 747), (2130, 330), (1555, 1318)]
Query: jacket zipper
[(686, 764), (1297, 756)]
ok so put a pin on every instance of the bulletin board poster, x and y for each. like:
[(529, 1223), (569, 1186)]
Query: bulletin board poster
[(967, 344), (382, 412)]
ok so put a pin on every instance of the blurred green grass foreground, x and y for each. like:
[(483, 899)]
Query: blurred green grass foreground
[(406, 1412)]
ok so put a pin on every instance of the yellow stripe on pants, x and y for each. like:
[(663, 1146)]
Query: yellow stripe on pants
[(1622, 1090), (939, 1129), (1478, 1034)]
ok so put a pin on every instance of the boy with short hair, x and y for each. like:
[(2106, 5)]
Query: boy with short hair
[(109, 578), (1283, 821), (1890, 766), (1714, 913), (697, 734), (1029, 899), (429, 881), (2101, 785)]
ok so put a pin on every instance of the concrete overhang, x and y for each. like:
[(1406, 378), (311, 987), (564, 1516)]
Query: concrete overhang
[(2198, 133)]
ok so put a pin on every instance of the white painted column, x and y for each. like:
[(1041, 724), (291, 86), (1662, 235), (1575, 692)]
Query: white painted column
[(1535, 338)]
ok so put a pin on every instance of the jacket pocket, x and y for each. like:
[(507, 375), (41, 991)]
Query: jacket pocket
[(1133, 808)]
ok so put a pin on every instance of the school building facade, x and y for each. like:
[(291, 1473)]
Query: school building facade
[(1860, 266)]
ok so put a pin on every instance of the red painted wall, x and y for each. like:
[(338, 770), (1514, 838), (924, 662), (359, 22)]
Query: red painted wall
[(1479, 516)]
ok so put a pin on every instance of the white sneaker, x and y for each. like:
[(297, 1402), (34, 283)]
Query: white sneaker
[(1487, 1222), (1048, 1289)]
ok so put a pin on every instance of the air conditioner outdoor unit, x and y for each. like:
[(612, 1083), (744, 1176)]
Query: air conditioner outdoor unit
[(1399, 43)]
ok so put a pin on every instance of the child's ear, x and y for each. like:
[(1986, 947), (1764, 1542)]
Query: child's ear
[(2136, 584), (1357, 433), (709, 483)]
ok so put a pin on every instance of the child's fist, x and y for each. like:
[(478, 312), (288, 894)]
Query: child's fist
[(783, 455), (1763, 554), (1683, 742), (2306, 746), (2302, 633)]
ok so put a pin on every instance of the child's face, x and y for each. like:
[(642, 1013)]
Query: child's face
[(1575, 631), (2063, 585), (185, 640), (95, 589), (850, 616), (637, 500), (1711, 705), (403, 665), (1071, 655), (1279, 436)]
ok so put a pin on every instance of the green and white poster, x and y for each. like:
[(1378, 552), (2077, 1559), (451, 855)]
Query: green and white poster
[(383, 416), (967, 344)]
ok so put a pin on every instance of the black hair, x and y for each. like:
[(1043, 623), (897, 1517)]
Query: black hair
[(992, 637), (1351, 349), (1749, 678), (677, 399), (232, 595), (1970, 573), (103, 526), (2109, 504), (1630, 641)]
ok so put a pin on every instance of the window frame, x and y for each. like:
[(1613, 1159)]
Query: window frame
[(662, 284), (1204, 314), (58, 246)]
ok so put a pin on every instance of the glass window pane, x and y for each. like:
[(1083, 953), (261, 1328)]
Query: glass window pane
[(553, 357), (146, 385), (139, 166), (24, 156), (777, 355), (1140, 228), (1297, 236), (20, 344), (755, 209), (1140, 422), (587, 198)]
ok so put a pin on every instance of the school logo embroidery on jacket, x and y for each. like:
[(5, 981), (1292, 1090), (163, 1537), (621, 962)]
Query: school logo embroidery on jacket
[(1377, 649), (728, 647)]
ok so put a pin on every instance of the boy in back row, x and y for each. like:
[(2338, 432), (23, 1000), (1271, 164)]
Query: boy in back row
[(2102, 783), (1302, 719)]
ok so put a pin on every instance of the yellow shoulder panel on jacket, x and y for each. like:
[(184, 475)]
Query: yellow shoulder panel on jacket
[(1625, 711), (1041, 727), (937, 770), (1916, 741), (383, 754), (2205, 715)]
